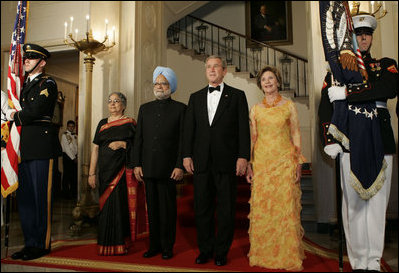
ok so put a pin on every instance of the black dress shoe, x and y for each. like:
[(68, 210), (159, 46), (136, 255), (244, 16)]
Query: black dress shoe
[(220, 260), (167, 255), (34, 253), (19, 254), (151, 253), (202, 258)]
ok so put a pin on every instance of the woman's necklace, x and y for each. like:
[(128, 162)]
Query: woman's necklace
[(111, 119), (274, 103)]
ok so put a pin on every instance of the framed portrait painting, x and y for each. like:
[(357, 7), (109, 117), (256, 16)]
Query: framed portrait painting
[(269, 21)]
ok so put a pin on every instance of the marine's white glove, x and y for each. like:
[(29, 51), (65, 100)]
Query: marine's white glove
[(337, 93), (9, 112), (333, 150)]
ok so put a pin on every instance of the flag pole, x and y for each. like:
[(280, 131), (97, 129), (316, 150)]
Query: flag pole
[(7, 224), (338, 193), (339, 213)]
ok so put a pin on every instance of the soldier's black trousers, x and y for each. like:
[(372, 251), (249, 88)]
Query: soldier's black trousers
[(34, 196)]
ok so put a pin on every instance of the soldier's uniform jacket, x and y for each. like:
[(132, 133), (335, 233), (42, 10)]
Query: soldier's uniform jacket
[(381, 86), (39, 137)]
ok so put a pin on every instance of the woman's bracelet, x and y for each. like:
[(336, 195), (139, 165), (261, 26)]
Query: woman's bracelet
[(92, 174)]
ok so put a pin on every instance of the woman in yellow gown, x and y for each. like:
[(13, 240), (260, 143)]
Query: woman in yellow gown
[(275, 231)]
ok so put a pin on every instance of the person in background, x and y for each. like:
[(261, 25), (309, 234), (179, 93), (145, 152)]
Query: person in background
[(158, 161), (69, 161), (275, 232), (122, 216)]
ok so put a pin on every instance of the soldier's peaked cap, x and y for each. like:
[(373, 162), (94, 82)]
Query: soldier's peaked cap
[(35, 51)]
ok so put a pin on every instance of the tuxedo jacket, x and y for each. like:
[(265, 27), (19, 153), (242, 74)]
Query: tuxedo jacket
[(217, 145), (158, 140)]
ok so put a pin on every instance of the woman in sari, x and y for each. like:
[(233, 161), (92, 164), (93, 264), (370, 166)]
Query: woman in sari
[(122, 216)]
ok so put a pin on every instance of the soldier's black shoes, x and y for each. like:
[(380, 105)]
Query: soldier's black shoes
[(30, 253), (19, 254), (35, 253), (151, 253), (220, 260)]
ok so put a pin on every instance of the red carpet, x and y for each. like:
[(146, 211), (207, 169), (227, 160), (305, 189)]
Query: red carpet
[(82, 254)]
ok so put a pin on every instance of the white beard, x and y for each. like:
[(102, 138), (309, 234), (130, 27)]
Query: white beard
[(162, 95)]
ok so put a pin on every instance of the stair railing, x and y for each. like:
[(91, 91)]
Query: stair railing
[(243, 52)]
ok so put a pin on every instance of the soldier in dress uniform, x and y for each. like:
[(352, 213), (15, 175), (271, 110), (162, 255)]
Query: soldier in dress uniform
[(39, 146), (70, 161), (158, 161), (364, 219)]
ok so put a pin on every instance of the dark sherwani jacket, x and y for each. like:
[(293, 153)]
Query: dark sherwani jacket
[(158, 139)]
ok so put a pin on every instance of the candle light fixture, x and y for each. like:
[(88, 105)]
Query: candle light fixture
[(89, 46)]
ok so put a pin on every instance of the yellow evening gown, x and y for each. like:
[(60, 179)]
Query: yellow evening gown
[(275, 231)]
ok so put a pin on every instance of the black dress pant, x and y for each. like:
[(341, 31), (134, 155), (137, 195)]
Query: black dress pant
[(161, 206), (34, 196), (207, 186), (69, 177)]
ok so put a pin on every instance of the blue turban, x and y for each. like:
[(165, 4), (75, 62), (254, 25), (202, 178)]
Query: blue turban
[(169, 74)]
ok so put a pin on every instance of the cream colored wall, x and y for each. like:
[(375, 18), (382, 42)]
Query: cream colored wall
[(299, 30), (45, 20)]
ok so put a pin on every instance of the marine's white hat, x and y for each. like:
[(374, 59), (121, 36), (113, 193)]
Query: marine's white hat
[(364, 23)]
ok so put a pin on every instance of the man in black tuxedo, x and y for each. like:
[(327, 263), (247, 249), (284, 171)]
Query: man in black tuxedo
[(158, 161), (216, 149)]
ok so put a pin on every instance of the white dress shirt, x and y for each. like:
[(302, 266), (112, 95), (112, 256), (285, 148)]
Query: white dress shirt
[(213, 102), (69, 144)]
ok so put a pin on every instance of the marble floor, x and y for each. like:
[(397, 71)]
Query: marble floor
[(62, 219)]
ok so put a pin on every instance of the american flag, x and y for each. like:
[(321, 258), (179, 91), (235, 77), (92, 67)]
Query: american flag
[(9, 168)]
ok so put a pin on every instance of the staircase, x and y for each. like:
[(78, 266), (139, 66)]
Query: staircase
[(200, 38), (185, 205)]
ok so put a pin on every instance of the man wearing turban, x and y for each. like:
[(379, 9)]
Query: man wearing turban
[(158, 161)]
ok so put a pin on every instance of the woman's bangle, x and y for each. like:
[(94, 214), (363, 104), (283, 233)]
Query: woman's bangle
[(92, 174)]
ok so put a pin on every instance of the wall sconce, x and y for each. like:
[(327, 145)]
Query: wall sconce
[(256, 57), (286, 71), (201, 37), (228, 43)]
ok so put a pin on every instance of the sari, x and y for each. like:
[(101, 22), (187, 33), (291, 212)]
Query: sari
[(123, 211)]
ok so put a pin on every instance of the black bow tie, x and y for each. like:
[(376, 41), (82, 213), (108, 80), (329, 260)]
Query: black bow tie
[(211, 89)]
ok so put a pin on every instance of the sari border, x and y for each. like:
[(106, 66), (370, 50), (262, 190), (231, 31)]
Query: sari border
[(115, 123), (132, 195), (104, 197)]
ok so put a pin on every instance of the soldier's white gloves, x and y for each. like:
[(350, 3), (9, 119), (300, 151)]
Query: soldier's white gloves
[(337, 93), (333, 150), (9, 112)]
